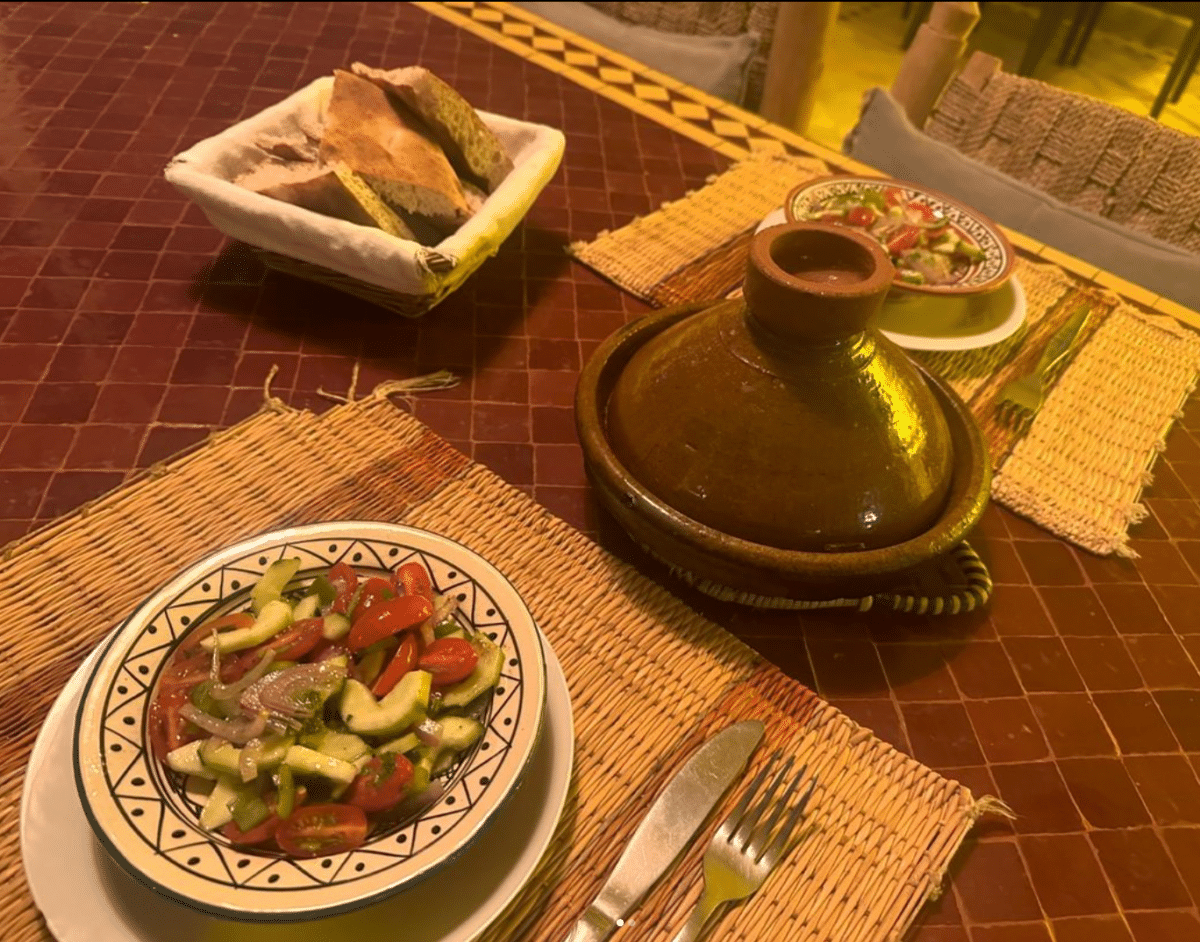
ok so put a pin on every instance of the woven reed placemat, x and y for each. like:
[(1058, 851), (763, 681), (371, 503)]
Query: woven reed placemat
[(649, 678), (1081, 469)]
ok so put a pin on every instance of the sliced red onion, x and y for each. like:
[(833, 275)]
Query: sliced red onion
[(282, 725), (420, 802), (287, 692), (239, 731), (444, 607), (430, 733), (220, 691)]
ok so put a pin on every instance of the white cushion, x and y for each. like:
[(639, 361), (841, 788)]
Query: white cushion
[(887, 140)]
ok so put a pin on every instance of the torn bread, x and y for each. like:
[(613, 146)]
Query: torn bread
[(393, 151), (472, 148), (308, 184), (331, 191), (385, 217)]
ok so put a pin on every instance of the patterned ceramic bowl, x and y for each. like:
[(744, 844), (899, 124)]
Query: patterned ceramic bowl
[(147, 816), (983, 265)]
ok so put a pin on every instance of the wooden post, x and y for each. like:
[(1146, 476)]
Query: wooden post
[(796, 61), (930, 61)]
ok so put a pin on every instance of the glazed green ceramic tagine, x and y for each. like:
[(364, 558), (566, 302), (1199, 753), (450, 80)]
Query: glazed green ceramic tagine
[(777, 444)]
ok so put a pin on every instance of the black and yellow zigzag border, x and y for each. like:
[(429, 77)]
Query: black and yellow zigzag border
[(718, 124)]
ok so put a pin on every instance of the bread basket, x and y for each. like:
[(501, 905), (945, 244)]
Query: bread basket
[(404, 277)]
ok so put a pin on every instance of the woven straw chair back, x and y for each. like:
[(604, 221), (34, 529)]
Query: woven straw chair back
[(709, 19), (1084, 152)]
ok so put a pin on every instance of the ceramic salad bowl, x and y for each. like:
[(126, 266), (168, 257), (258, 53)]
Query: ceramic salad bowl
[(147, 816), (938, 245)]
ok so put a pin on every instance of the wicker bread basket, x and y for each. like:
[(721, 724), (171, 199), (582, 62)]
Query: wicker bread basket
[(402, 276)]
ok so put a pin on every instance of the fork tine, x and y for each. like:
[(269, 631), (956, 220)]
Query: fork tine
[(733, 822), (746, 827), (762, 834), (778, 847)]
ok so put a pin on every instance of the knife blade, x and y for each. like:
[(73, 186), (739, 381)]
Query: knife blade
[(669, 826)]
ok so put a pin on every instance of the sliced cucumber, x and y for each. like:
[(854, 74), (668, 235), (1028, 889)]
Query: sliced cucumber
[(186, 759), (217, 813), (370, 665), (460, 732), (271, 584), (273, 751), (485, 676), (304, 761), (306, 607), (324, 589), (359, 764), (274, 617), (336, 627), (220, 757), (344, 746), (406, 743), (403, 706), (249, 811)]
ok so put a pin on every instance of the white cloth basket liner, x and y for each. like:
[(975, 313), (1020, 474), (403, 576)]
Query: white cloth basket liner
[(206, 170)]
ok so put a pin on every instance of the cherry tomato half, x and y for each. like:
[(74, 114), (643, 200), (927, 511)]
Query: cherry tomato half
[(259, 834), (345, 582), (449, 660), (319, 830), (374, 591), (389, 618), (166, 728), (924, 211), (412, 579), (904, 240), (861, 216), (404, 660), (382, 783)]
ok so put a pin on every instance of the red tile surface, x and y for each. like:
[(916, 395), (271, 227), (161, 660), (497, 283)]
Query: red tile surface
[(130, 328)]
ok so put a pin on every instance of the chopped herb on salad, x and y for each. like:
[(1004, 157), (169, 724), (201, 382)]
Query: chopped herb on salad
[(922, 244), (324, 711)]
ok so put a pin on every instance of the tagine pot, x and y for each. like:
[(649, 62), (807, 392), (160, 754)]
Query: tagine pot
[(777, 446)]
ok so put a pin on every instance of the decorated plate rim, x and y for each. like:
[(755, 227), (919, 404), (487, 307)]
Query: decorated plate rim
[(340, 895), (1007, 254)]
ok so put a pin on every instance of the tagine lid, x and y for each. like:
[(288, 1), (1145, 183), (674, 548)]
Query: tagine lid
[(784, 418)]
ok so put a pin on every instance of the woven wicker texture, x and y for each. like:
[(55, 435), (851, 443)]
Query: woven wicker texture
[(710, 19), (884, 828), (1079, 478), (1082, 151), (671, 246)]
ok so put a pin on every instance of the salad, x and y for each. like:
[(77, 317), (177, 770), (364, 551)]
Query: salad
[(325, 711), (922, 244)]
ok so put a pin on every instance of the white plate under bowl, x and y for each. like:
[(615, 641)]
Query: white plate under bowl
[(150, 824), (980, 319), (85, 897)]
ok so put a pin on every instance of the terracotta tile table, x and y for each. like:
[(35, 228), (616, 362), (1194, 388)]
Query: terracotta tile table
[(130, 328)]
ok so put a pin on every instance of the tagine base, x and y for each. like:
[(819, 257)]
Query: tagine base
[(961, 583)]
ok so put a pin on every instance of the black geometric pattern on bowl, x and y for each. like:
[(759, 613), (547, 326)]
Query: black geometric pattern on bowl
[(156, 804)]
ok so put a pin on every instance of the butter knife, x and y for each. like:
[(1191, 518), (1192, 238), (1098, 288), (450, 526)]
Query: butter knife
[(669, 826)]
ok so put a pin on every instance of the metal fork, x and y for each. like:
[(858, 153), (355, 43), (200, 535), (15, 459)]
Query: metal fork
[(1021, 399), (744, 851)]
